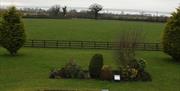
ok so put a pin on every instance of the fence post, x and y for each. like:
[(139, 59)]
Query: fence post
[(82, 44), (95, 44), (57, 43), (60, 44), (69, 44), (32, 43), (44, 43), (107, 45), (144, 46), (157, 47)]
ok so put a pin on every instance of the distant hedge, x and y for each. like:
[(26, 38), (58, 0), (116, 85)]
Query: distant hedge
[(104, 17)]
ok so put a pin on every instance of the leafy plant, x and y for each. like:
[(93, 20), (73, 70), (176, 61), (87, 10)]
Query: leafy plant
[(128, 73), (70, 70), (135, 70), (139, 64), (144, 76)]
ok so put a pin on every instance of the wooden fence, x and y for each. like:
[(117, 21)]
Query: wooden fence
[(89, 45)]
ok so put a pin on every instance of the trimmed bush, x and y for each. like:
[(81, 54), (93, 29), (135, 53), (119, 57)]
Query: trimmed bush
[(96, 65), (12, 33), (106, 73), (171, 36)]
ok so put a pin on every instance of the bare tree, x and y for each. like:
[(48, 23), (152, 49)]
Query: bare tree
[(54, 10), (95, 8), (127, 46), (64, 10)]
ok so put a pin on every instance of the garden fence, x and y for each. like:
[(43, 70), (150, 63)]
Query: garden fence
[(89, 45)]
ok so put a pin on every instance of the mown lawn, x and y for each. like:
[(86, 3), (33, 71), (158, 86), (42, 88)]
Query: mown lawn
[(92, 30), (29, 71)]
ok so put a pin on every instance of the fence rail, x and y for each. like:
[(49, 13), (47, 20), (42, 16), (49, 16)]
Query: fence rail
[(88, 45)]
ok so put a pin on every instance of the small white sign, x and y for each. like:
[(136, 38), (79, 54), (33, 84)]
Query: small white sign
[(117, 77)]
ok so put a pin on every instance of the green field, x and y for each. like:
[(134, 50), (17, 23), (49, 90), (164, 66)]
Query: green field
[(99, 30), (29, 70)]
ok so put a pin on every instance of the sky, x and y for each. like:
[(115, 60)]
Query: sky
[(151, 5)]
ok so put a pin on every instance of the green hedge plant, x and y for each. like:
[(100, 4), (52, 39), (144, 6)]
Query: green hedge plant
[(171, 36)]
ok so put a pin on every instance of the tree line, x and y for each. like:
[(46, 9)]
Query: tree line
[(92, 12), (58, 11)]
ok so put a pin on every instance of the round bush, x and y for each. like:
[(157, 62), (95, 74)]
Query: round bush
[(106, 73), (171, 36), (72, 70), (95, 65)]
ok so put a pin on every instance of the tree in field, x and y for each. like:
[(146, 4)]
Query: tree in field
[(73, 13), (171, 36), (54, 10), (12, 33), (64, 10), (95, 8)]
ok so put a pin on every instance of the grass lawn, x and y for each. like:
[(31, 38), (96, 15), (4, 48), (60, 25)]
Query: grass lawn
[(80, 29), (29, 71)]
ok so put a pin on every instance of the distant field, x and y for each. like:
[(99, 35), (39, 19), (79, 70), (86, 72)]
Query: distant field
[(92, 30), (30, 70)]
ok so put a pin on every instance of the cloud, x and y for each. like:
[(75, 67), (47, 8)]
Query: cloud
[(160, 5)]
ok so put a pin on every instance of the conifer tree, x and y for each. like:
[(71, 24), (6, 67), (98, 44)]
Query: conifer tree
[(12, 32)]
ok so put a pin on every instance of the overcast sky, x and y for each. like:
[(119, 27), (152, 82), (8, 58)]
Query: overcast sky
[(153, 5)]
